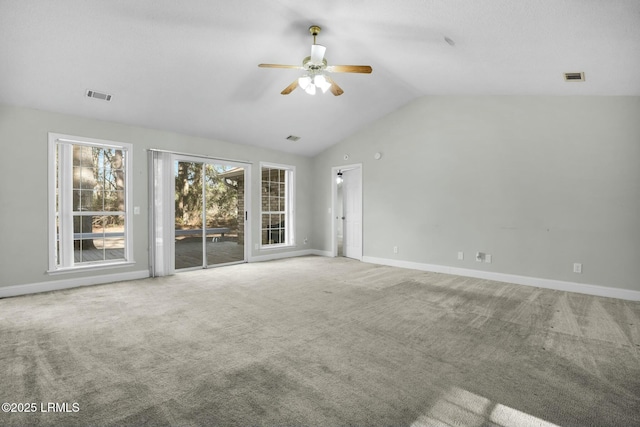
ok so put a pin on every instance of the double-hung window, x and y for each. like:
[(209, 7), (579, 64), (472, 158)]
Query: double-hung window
[(89, 203), (277, 205)]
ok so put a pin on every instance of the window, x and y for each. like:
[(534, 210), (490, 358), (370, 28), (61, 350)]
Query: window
[(88, 202), (277, 205)]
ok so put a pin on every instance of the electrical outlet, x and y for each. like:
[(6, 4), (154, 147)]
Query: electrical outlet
[(306, 241), (577, 267), (395, 249), (460, 255), (479, 256), (487, 258), (256, 246)]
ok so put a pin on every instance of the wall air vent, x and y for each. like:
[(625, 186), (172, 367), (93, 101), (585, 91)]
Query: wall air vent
[(98, 95), (573, 77), (293, 138)]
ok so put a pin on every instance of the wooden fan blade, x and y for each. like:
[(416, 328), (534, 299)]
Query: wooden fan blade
[(350, 69), (335, 89), (290, 88), (280, 66)]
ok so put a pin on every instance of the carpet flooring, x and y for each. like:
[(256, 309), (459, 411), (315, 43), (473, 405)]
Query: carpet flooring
[(321, 342)]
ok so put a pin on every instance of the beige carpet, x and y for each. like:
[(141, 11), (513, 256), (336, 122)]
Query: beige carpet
[(323, 342)]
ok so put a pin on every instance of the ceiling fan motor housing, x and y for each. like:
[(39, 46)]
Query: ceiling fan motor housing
[(308, 65)]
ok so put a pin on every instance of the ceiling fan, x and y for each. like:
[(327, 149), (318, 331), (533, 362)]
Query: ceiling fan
[(316, 69)]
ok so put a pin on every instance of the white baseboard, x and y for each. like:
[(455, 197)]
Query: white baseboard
[(321, 253), (54, 285), (281, 255), (557, 285)]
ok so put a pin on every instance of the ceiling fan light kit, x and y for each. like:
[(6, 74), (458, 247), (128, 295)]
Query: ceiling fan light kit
[(316, 69), (309, 84)]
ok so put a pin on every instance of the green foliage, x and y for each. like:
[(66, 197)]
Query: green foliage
[(221, 195)]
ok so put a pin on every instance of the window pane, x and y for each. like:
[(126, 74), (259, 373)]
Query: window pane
[(273, 204), (274, 236), (113, 248), (109, 225), (82, 224), (113, 200), (82, 200)]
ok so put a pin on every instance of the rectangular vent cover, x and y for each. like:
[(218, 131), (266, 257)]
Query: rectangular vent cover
[(573, 77), (293, 138), (98, 95)]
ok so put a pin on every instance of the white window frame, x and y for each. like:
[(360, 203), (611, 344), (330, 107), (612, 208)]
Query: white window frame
[(66, 262), (290, 203)]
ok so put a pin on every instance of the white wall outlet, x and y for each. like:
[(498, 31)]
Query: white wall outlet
[(487, 258), (136, 210), (305, 241), (256, 247), (577, 267), (460, 255), (395, 249), (479, 256)]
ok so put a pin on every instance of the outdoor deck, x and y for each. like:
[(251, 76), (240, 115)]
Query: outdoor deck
[(188, 251)]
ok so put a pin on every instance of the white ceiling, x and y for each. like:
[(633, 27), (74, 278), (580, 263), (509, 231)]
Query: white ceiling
[(191, 66)]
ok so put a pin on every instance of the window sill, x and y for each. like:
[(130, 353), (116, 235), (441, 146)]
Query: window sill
[(89, 267)]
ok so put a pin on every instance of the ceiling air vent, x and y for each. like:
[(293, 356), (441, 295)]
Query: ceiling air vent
[(573, 77), (98, 95), (293, 138)]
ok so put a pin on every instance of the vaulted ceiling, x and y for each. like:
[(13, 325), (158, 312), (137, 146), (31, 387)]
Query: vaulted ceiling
[(190, 66)]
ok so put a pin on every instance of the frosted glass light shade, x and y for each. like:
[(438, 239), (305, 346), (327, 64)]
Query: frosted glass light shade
[(321, 82), (317, 54), (310, 89), (304, 82)]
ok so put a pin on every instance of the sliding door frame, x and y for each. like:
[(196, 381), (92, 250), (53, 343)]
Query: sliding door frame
[(180, 157)]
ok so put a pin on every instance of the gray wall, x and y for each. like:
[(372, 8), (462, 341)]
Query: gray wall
[(23, 186), (537, 182)]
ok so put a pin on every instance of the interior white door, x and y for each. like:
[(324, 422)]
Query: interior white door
[(352, 191)]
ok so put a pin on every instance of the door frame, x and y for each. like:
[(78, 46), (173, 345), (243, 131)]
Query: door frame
[(334, 202), (178, 157)]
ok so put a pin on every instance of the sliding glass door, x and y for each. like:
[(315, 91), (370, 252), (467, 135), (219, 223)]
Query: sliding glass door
[(209, 214)]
